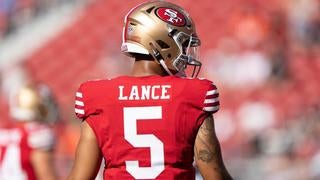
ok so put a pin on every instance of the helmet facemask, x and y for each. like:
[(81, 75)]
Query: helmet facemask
[(189, 54)]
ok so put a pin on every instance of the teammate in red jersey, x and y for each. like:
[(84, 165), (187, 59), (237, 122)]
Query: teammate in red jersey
[(26, 144), (155, 123)]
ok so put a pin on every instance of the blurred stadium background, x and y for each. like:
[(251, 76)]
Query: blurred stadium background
[(264, 56)]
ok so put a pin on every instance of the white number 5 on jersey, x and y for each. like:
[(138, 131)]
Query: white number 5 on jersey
[(131, 116)]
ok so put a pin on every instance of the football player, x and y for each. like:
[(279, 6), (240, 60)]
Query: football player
[(26, 145), (156, 122)]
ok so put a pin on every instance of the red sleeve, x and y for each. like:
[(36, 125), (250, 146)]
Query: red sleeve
[(87, 106), (85, 101), (211, 102), (207, 101)]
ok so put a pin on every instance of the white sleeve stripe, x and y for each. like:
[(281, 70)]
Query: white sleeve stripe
[(207, 101), (78, 94), (79, 103), (43, 139), (79, 111), (212, 92), (211, 108)]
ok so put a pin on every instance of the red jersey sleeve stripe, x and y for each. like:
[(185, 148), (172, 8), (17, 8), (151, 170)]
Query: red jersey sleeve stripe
[(212, 104), (212, 96)]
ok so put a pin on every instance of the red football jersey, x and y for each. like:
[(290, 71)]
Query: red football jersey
[(146, 126), (16, 145)]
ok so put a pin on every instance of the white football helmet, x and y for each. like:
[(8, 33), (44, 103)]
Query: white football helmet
[(166, 32)]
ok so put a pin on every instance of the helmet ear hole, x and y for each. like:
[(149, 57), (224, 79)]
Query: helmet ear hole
[(162, 44), (142, 56), (133, 24)]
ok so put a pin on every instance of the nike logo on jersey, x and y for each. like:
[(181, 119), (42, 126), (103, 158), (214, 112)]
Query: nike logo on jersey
[(144, 92)]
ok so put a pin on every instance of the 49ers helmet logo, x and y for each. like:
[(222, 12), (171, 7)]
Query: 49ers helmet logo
[(171, 16)]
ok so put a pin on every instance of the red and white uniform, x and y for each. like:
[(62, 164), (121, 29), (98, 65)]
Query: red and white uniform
[(146, 126), (16, 145)]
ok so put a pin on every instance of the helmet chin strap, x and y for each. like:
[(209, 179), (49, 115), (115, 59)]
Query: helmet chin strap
[(159, 58), (161, 61)]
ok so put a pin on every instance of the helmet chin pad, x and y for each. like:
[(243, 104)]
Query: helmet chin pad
[(132, 48)]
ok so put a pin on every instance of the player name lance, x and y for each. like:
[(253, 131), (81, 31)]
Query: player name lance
[(145, 92)]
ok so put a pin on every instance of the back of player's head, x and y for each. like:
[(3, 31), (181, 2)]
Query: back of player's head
[(164, 31)]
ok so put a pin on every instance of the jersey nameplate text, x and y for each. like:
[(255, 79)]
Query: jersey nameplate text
[(144, 92)]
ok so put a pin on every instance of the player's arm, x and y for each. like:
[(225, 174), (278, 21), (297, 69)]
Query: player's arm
[(208, 153), (41, 140), (42, 162), (88, 155)]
